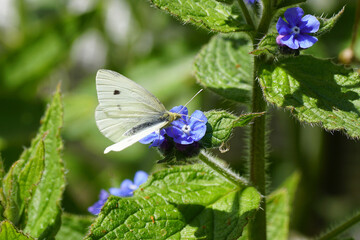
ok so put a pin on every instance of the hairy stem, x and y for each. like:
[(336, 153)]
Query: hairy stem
[(245, 11), (257, 226), (219, 167)]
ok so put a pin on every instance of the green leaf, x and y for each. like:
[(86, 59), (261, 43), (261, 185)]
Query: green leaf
[(278, 207), (30, 175), (291, 185), (183, 202), (20, 182), (44, 211), (9, 232), (73, 227), (226, 1), (224, 66), (277, 215), (210, 14), (326, 24), (220, 124), (286, 3), (2, 171), (267, 45), (10, 197), (315, 91)]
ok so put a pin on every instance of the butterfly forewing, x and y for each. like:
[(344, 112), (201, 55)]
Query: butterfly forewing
[(124, 105)]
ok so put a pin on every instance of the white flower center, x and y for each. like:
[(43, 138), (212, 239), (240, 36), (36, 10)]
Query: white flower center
[(186, 129), (295, 30), (133, 187)]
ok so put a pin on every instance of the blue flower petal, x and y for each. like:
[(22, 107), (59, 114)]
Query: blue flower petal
[(180, 109), (197, 116), (198, 132), (293, 16), (175, 132), (140, 177), (196, 124), (309, 24), (125, 190), (96, 207), (306, 41), (283, 27), (290, 41), (185, 140), (178, 123), (156, 138), (149, 138)]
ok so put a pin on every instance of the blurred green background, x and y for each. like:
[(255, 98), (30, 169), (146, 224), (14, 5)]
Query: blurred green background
[(46, 42)]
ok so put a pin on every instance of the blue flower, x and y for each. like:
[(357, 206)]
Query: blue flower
[(126, 189), (295, 31), (155, 138), (187, 129), (250, 1), (95, 209)]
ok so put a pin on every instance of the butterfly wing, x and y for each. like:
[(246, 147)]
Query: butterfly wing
[(127, 112), (128, 141)]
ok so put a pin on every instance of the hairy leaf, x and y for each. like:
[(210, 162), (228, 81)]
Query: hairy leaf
[(220, 125), (20, 182), (44, 210), (2, 171), (30, 175), (267, 45), (327, 94), (278, 207), (210, 14), (11, 195), (73, 227), (9, 232), (224, 66), (183, 202), (278, 210), (326, 24)]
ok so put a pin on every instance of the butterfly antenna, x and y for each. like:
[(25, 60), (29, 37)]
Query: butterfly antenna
[(191, 99), (190, 117)]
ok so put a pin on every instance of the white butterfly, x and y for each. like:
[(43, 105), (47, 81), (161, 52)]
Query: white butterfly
[(127, 112)]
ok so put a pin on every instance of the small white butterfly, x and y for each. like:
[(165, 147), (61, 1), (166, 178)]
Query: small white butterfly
[(127, 112)]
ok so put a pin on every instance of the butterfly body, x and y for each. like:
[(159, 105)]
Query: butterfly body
[(127, 112)]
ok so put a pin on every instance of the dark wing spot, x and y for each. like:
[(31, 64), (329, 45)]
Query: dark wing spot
[(116, 92)]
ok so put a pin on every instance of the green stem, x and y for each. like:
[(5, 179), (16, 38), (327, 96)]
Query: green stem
[(246, 13), (218, 166), (341, 228), (265, 21), (257, 226)]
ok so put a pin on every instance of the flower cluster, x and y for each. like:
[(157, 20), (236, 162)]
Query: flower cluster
[(126, 189), (294, 32), (184, 131)]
